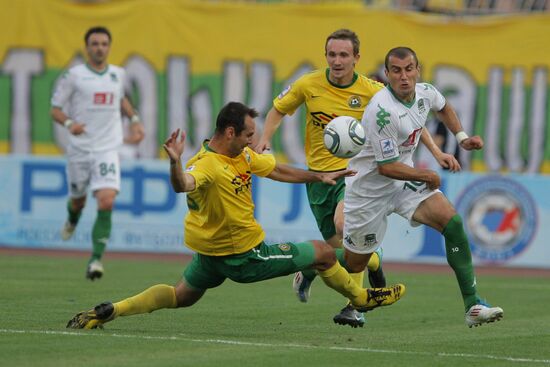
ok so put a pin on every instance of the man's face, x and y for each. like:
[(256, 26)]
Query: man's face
[(340, 59), (98, 47), (402, 75), (244, 139)]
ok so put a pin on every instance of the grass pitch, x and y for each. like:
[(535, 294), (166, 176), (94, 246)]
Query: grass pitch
[(260, 324)]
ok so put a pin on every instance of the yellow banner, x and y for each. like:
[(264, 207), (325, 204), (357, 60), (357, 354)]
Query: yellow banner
[(284, 34)]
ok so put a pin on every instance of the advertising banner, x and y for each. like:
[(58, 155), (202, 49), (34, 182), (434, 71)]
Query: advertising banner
[(504, 216)]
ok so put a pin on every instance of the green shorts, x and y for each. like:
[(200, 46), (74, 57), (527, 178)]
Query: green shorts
[(261, 263), (323, 199)]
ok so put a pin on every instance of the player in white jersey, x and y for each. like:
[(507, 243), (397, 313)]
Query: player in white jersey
[(387, 181), (88, 101)]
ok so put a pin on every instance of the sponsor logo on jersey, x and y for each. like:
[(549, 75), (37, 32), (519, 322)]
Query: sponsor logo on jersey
[(387, 147), (382, 118), (412, 139), (242, 182), (500, 217), (104, 98), (355, 102), (190, 168), (321, 119), (114, 77), (284, 92)]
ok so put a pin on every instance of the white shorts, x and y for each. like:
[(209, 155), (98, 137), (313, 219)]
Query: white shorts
[(366, 219), (93, 171)]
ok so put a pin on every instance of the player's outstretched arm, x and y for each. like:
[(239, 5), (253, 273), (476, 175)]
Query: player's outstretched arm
[(445, 160), (272, 123), (174, 147), (286, 173)]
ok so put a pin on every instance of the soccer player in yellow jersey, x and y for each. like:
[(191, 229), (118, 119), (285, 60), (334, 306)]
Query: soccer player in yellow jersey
[(335, 91), (221, 228)]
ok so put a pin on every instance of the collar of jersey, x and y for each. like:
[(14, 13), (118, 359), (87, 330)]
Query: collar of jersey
[(207, 147), (95, 71), (407, 104), (355, 76)]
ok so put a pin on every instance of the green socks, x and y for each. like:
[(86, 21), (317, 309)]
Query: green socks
[(459, 258), (101, 233), (74, 216)]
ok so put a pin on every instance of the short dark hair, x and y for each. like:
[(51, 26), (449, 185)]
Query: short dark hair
[(233, 114), (400, 52), (345, 34), (98, 29)]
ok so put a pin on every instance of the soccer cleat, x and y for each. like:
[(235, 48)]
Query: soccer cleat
[(377, 297), (67, 231), (301, 286), (483, 313), (377, 279), (95, 318), (350, 316), (94, 270)]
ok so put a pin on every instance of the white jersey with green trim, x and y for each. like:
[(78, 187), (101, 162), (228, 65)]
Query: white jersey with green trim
[(93, 99), (393, 130)]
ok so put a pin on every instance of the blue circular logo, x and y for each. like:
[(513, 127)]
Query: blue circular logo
[(500, 217)]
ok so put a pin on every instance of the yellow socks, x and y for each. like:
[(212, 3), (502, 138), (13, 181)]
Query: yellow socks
[(155, 298), (340, 280), (374, 262)]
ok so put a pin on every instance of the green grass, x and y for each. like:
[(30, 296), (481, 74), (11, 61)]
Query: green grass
[(260, 324)]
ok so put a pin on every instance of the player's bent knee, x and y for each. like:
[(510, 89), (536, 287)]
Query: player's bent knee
[(325, 256)]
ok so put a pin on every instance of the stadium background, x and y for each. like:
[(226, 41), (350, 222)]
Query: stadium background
[(185, 59)]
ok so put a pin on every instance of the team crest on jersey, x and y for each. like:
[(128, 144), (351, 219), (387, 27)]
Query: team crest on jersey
[(242, 182), (355, 102), (284, 92), (284, 246), (421, 106), (114, 77), (387, 147)]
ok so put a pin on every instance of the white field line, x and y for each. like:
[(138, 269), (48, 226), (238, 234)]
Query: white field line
[(182, 337)]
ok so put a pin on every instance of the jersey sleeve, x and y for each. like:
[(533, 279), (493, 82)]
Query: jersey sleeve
[(382, 129), (202, 171), (261, 164), (63, 90), (437, 100), (290, 98)]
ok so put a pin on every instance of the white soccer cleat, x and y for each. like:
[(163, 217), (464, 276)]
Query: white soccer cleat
[(67, 231), (481, 314), (301, 286), (94, 270)]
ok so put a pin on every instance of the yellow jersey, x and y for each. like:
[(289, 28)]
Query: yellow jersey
[(221, 220), (325, 101)]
